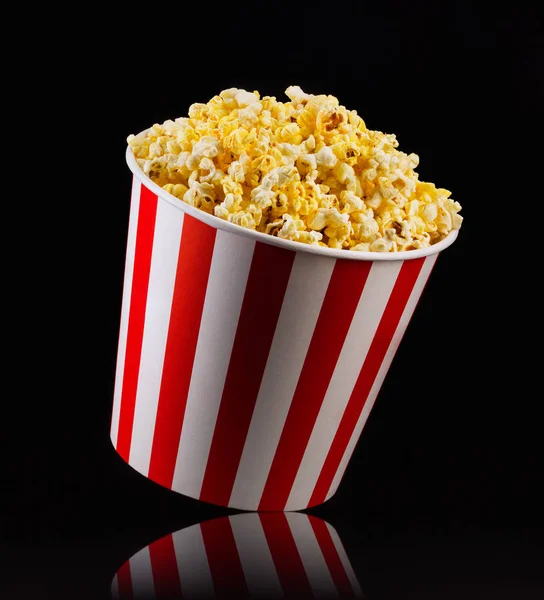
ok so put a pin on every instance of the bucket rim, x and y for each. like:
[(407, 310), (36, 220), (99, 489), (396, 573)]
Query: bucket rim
[(265, 238)]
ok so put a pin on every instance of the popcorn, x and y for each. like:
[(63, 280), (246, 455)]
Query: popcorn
[(244, 98), (307, 170), (326, 158)]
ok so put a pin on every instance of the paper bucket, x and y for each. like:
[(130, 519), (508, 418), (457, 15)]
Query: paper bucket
[(266, 555), (247, 365)]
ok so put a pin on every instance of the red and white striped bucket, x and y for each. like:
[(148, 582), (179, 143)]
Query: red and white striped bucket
[(265, 555), (247, 364)]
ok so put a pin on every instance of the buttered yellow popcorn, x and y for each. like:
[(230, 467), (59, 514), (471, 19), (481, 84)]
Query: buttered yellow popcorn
[(307, 170)]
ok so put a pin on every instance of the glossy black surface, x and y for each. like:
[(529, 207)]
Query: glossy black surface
[(433, 520)]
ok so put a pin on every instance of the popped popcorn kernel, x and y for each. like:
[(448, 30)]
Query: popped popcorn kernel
[(306, 170)]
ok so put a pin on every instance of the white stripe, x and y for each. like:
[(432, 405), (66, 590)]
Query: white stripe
[(311, 556), (115, 588), (345, 561), (366, 319), (231, 262), (299, 313), (397, 337), (259, 570), (193, 567), (142, 575), (162, 277), (125, 308)]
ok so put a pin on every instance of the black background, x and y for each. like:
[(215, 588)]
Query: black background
[(442, 498)]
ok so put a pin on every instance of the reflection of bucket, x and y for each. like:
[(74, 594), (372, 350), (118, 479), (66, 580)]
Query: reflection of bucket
[(247, 364), (266, 555)]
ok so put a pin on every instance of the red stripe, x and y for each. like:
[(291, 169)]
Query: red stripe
[(289, 567), (193, 268), (343, 293), (266, 285), (124, 582), (332, 558), (225, 566), (165, 569), (138, 300), (386, 329)]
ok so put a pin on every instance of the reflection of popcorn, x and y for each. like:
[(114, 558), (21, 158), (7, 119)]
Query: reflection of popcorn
[(306, 170)]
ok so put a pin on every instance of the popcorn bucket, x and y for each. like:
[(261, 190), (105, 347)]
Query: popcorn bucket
[(267, 555), (248, 365)]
